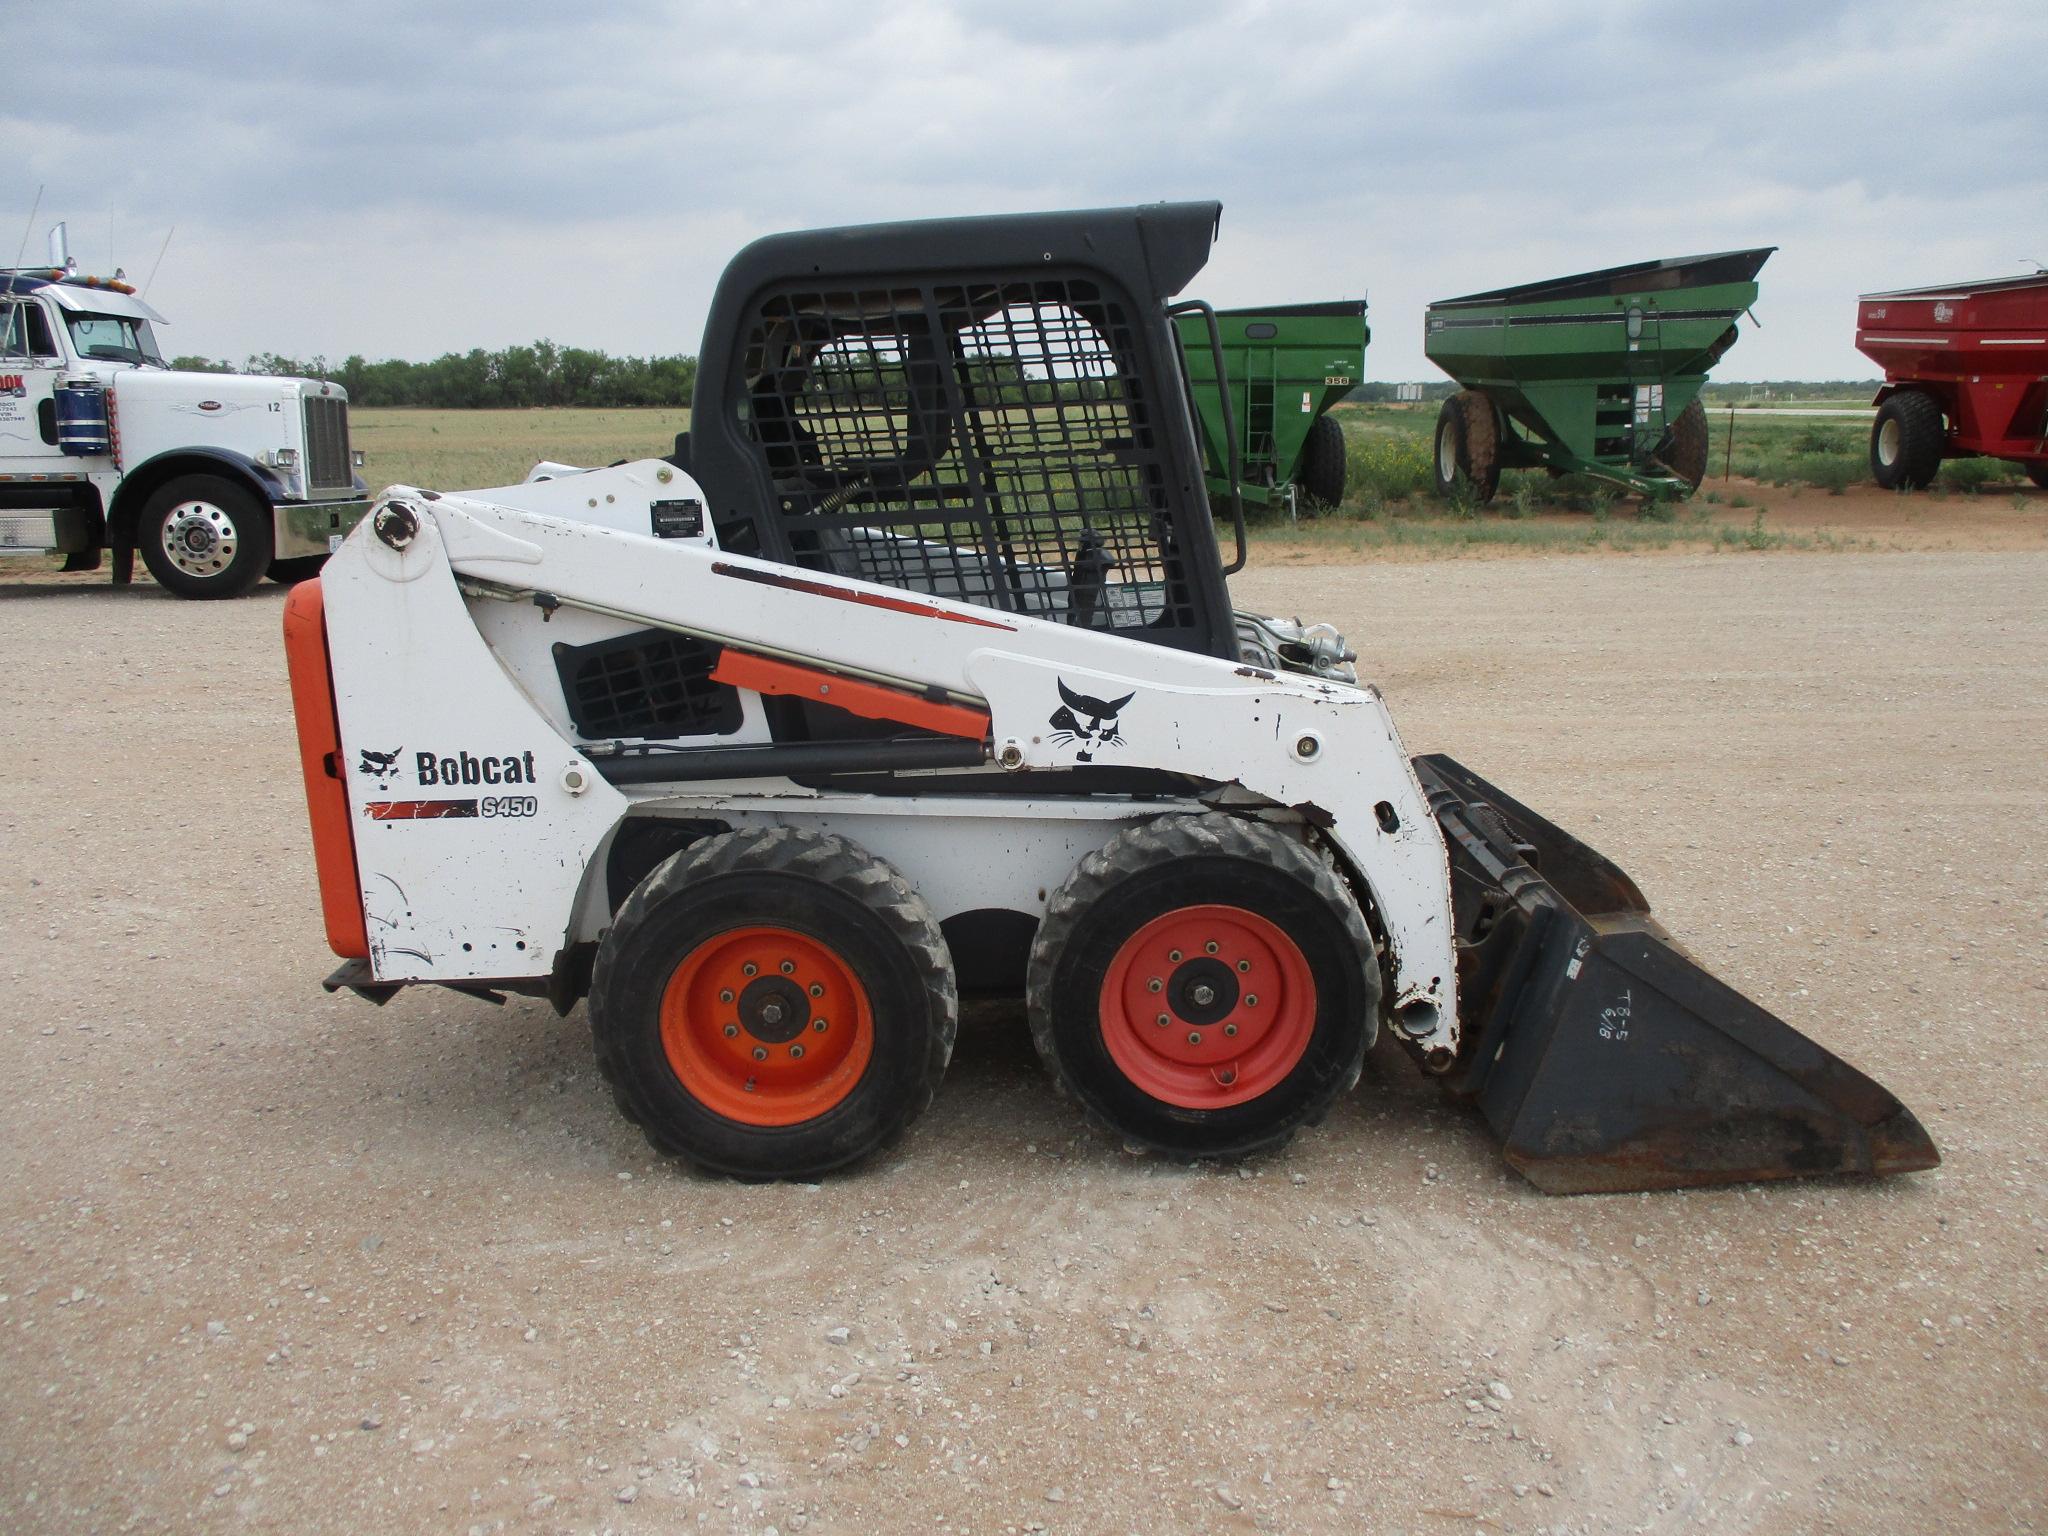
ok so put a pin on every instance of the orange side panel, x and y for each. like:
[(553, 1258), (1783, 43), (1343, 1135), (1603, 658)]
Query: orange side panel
[(334, 844), (871, 701)]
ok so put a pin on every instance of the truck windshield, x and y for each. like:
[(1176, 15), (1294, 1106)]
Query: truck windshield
[(114, 337)]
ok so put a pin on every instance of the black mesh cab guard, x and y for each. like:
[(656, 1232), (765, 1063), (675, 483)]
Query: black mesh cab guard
[(989, 409)]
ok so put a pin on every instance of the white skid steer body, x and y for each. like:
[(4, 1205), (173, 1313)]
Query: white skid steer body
[(481, 822)]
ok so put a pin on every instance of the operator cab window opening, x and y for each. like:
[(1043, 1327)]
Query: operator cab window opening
[(28, 332), (987, 442)]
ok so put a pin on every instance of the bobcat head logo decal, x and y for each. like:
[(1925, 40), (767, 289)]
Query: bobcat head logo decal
[(1090, 722), (381, 765)]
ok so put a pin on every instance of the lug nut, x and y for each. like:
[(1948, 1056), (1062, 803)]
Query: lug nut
[(750, 969), (1194, 1037), (817, 989), (789, 967), (725, 994), (1230, 1030), (1163, 1020), (1211, 947), (819, 1026), (760, 1053), (1173, 955), (1243, 966), (796, 1052), (731, 1030), (1154, 985), (1251, 999)]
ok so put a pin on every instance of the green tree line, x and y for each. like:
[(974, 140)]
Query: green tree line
[(512, 377)]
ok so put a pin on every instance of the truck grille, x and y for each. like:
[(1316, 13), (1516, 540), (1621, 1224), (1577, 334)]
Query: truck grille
[(327, 463)]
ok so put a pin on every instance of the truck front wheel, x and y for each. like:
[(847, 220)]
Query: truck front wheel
[(204, 536)]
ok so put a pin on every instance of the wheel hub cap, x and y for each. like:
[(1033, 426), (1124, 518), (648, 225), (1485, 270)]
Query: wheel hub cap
[(1207, 1006), (766, 1026), (200, 538)]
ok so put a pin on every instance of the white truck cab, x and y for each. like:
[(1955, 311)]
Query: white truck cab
[(219, 479)]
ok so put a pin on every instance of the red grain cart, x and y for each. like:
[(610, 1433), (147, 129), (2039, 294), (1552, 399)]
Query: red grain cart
[(1965, 372)]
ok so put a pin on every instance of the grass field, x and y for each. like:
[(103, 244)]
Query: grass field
[(468, 450), (1389, 506)]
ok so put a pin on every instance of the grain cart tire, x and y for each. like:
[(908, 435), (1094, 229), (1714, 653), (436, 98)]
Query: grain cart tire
[(289, 573), (1467, 447), (2038, 473), (1321, 476), (1685, 452), (1248, 947), (773, 1004), (204, 536), (1447, 455), (1906, 441), (1482, 445)]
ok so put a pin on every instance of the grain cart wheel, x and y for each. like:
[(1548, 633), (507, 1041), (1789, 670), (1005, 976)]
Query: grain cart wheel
[(1906, 441), (1449, 457), (1468, 447), (2038, 473), (1203, 986), (202, 536), (1321, 476), (1685, 448), (773, 1003), (289, 573)]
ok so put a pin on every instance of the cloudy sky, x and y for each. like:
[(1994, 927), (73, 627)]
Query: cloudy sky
[(407, 179)]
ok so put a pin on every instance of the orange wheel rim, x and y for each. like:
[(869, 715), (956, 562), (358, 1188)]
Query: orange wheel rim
[(766, 1026), (1206, 1007)]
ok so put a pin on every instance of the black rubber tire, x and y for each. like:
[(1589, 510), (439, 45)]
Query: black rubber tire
[(1906, 441), (289, 573), (1473, 456), (1321, 471), (1686, 446), (1177, 861), (813, 883), (2038, 473), (253, 538)]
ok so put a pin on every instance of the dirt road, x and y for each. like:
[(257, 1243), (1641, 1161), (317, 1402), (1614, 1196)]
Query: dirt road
[(276, 1261)]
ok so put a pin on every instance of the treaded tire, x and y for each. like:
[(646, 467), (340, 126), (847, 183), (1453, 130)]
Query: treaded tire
[(1906, 441), (1144, 875), (854, 906), (2038, 473), (1321, 475), (249, 518), (289, 573), (1685, 450), (1472, 455)]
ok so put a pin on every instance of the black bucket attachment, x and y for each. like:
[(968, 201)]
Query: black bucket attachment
[(1603, 1057)]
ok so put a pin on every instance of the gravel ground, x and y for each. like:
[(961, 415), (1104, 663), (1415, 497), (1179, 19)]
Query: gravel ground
[(273, 1260)]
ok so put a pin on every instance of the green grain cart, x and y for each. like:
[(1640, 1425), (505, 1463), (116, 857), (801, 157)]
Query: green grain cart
[(1285, 367), (1597, 374)]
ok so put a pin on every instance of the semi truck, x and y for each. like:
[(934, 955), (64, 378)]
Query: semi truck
[(217, 479)]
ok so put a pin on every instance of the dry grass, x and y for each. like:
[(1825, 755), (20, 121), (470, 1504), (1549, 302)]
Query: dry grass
[(469, 450)]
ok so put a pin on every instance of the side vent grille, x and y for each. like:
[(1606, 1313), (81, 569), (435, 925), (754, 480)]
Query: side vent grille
[(650, 683)]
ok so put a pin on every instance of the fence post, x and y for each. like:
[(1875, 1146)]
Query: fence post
[(1728, 459)]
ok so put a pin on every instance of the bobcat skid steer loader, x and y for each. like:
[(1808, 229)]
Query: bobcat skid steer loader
[(913, 671)]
